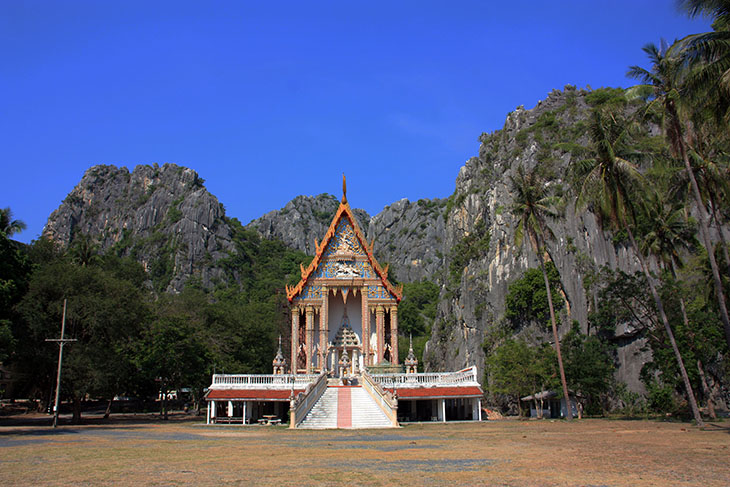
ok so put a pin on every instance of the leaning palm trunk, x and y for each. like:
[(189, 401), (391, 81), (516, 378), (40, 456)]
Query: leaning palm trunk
[(720, 233), (667, 328), (704, 228), (705, 389), (569, 409)]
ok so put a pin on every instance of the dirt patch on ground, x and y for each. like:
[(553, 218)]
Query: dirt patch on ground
[(508, 452)]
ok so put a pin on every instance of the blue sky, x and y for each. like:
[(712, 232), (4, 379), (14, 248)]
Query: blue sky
[(269, 100)]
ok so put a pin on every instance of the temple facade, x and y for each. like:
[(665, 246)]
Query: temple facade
[(344, 305), (343, 369)]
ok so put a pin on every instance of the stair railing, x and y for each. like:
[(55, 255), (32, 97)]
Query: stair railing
[(300, 406), (384, 399)]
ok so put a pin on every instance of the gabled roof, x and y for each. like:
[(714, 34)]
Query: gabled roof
[(437, 392), (344, 211), (251, 394)]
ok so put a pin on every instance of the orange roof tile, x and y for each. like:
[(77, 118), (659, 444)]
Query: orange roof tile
[(251, 394), (435, 392), (343, 210)]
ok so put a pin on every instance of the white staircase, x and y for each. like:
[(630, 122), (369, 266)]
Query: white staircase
[(324, 412), (365, 412)]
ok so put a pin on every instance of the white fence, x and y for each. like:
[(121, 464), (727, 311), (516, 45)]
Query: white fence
[(261, 381), (466, 376)]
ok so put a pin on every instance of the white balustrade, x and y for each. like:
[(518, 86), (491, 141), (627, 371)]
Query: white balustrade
[(466, 376), (261, 381)]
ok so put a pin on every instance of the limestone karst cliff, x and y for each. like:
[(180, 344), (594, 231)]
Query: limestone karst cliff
[(161, 215), (407, 235), (552, 134), (164, 217)]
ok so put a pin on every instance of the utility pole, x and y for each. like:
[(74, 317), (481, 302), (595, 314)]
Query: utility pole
[(61, 342)]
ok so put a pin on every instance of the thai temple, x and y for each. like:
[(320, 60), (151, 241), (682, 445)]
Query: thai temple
[(342, 369)]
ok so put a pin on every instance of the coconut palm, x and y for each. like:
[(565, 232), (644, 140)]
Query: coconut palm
[(668, 233), (532, 206), (708, 55), (663, 84), (8, 226), (612, 185), (84, 251)]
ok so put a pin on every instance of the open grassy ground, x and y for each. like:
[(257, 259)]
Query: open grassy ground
[(509, 452)]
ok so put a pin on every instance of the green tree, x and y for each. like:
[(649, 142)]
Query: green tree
[(105, 314), (708, 55), (83, 250), (417, 309), (8, 226), (613, 185), (662, 85), (589, 363), (516, 369), (15, 270), (532, 206), (175, 353), (526, 300)]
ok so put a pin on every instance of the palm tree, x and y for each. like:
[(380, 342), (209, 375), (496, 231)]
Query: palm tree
[(532, 206), (84, 251), (708, 55), (8, 226), (612, 185), (668, 233), (663, 82)]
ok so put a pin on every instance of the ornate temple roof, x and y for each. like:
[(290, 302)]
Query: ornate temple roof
[(344, 212)]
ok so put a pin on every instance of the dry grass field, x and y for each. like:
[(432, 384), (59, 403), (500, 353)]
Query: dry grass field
[(508, 452)]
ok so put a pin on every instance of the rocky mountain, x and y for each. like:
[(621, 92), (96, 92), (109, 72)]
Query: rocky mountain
[(161, 215), (472, 304), (164, 217), (407, 235), (466, 243), (302, 220)]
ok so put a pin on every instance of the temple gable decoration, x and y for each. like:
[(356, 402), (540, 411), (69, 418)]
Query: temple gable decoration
[(344, 253)]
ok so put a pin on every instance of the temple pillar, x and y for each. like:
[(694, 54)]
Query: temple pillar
[(294, 338), (323, 329), (365, 326), (310, 333), (394, 334), (380, 331)]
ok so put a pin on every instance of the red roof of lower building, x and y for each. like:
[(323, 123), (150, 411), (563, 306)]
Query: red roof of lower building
[(432, 392), (252, 394)]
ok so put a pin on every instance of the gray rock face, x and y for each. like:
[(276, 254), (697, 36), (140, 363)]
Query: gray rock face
[(302, 220), (162, 216), (428, 239), (472, 307), (407, 235), (166, 219)]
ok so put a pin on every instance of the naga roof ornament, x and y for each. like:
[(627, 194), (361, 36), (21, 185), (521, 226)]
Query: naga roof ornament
[(347, 241)]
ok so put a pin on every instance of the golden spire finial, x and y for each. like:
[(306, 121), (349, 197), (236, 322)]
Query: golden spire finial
[(344, 189)]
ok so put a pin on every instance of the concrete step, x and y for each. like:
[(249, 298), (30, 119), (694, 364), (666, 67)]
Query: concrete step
[(345, 407)]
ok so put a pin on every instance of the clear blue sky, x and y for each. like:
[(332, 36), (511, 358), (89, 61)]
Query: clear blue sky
[(269, 100)]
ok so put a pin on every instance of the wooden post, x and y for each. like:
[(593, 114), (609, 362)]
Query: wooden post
[(61, 342)]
